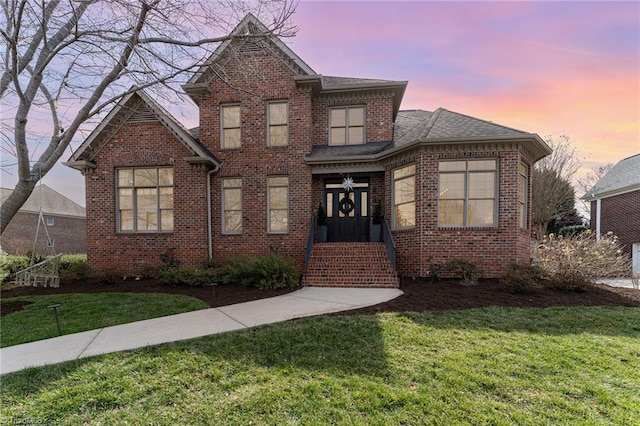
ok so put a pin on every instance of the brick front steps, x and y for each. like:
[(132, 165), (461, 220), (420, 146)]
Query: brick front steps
[(350, 265)]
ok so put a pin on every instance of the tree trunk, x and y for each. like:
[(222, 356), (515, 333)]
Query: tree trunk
[(12, 204)]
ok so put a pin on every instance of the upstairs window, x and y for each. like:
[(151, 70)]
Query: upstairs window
[(467, 193), (50, 221), (230, 126), (145, 199), (278, 124), (346, 126)]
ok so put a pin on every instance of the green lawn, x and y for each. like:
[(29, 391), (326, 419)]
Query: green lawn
[(482, 366), (80, 312)]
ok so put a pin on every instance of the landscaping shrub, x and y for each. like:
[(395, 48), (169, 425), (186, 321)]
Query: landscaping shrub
[(274, 271), (567, 231), (469, 272), (187, 275), (268, 272), (74, 267), (576, 261), (522, 278), (9, 265)]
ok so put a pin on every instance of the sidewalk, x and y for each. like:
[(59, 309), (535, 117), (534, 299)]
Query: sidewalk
[(308, 301), (616, 282)]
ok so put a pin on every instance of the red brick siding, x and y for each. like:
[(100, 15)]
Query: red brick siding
[(143, 145), (255, 161), (621, 215), (378, 110), (68, 235), (492, 248)]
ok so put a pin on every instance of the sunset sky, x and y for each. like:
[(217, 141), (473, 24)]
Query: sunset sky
[(551, 68)]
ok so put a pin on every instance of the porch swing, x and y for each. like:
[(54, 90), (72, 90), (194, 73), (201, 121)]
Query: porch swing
[(46, 272)]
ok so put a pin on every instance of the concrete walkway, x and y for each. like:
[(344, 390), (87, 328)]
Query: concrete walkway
[(617, 282), (308, 301)]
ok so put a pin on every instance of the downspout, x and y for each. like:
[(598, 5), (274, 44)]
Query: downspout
[(598, 212), (209, 219)]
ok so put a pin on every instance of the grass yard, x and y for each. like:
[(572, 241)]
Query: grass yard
[(575, 365), (81, 312)]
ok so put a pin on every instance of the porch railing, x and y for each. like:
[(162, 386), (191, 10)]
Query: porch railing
[(309, 247), (388, 242)]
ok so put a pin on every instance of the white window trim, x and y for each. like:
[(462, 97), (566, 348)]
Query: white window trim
[(467, 173), (222, 127), (394, 225), (286, 103), (364, 124), (223, 220), (50, 221), (269, 230)]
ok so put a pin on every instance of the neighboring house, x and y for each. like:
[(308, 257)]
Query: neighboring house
[(615, 206), (65, 221), (275, 140)]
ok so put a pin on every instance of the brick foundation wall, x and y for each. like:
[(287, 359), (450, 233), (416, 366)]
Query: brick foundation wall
[(621, 215)]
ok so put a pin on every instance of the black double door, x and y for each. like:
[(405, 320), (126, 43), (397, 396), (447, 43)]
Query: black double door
[(347, 210)]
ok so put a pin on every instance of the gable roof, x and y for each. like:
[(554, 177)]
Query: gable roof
[(137, 106), (415, 127), (51, 201), (250, 34), (622, 178)]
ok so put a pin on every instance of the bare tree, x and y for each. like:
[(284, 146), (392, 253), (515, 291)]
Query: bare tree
[(552, 192), (588, 181), (66, 62)]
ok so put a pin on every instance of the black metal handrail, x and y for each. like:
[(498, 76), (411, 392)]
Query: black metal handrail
[(388, 242), (309, 247)]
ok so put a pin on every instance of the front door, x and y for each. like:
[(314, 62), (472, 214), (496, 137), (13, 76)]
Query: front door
[(347, 210)]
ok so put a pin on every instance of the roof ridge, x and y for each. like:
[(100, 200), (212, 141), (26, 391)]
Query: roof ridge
[(432, 121)]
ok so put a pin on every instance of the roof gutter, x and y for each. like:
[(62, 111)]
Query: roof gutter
[(542, 148)]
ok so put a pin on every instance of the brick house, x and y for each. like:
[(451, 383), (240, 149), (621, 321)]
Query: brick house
[(65, 222), (275, 141), (615, 206)]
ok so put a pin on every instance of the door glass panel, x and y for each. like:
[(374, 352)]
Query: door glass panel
[(364, 207), (329, 204)]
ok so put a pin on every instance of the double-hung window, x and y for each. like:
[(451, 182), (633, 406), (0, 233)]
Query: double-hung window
[(232, 205), (278, 123), (346, 125), (467, 193), (404, 197), (230, 126), (145, 199), (523, 192), (278, 204)]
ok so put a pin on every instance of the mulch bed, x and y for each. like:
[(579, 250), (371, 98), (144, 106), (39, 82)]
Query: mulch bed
[(419, 295)]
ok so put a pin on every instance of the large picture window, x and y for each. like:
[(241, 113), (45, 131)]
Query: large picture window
[(278, 204), (523, 192), (467, 193), (230, 126), (404, 197), (145, 199), (346, 126), (278, 128), (232, 205)]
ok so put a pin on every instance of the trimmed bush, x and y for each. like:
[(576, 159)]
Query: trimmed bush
[(522, 278), (468, 272), (74, 267), (187, 275), (269, 272), (576, 261)]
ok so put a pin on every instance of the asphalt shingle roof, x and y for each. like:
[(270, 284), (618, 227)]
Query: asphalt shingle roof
[(52, 202), (625, 174)]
